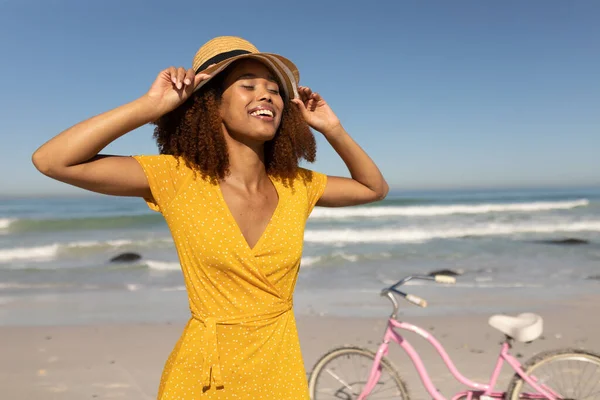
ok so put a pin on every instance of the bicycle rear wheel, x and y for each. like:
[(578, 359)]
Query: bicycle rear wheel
[(568, 373), (342, 373)]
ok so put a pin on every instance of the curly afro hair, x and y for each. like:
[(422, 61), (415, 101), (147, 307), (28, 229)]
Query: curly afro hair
[(193, 132)]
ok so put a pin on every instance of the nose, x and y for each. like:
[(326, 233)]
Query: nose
[(264, 94)]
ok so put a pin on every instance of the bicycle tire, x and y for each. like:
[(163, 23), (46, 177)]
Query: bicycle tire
[(559, 383), (401, 391)]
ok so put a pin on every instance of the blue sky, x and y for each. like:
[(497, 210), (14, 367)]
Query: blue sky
[(441, 94)]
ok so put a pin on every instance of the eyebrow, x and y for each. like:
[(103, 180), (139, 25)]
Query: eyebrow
[(270, 78)]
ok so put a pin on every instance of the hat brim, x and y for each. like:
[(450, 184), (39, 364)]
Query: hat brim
[(286, 71)]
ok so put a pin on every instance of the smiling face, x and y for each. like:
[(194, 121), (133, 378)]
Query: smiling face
[(251, 105)]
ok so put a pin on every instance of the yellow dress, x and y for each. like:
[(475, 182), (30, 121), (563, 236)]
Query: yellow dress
[(241, 341)]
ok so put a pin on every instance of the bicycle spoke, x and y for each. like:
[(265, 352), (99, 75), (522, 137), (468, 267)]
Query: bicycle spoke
[(584, 375), (597, 382), (345, 376), (340, 380), (566, 375)]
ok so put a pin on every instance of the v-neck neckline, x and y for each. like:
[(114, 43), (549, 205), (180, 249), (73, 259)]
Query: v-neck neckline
[(233, 221)]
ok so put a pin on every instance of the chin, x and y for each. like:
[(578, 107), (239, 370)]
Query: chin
[(248, 137), (263, 136)]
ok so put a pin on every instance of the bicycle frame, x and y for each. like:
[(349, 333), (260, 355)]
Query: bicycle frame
[(479, 389)]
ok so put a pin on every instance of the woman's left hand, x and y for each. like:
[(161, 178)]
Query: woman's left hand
[(316, 111)]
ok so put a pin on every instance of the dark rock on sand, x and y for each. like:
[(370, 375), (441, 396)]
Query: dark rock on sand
[(447, 272), (126, 257), (594, 278), (566, 242)]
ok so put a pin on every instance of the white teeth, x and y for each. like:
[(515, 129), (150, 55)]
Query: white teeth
[(268, 113)]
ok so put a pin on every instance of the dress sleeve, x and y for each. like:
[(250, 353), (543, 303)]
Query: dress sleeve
[(165, 177), (315, 186)]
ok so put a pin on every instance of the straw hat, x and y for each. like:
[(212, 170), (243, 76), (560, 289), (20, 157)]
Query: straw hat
[(223, 50)]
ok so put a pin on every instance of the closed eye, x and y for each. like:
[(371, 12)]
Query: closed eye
[(273, 90)]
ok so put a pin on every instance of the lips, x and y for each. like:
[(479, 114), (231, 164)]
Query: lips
[(263, 112)]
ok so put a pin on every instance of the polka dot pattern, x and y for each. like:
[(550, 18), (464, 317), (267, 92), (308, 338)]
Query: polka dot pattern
[(241, 341)]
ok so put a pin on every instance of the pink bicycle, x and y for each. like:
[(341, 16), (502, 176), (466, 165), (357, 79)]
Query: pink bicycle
[(357, 373)]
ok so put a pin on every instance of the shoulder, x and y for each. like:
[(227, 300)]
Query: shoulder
[(165, 160), (167, 176), (307, 177), (312, 185), (164, 164)]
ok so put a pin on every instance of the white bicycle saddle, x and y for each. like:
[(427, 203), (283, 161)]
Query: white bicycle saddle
[(524, 327)]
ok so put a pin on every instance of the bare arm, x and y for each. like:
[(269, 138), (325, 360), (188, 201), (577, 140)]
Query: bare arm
[(72, 156), (367, 183)]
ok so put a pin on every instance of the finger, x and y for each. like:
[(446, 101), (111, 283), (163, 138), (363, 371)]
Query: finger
[(173, 74), (305, 94), (314, 101), (307, 90), (309, 96), (180, 77), (315, 97), (301, 92), (300, 105), (189, 77)]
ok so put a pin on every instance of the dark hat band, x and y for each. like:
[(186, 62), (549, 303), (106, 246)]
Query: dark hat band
[(220, 57)]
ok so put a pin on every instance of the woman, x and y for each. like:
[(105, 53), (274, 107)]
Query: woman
[(231, 132)]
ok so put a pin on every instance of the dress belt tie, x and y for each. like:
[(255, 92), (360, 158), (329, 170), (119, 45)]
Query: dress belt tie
[(211, 367)]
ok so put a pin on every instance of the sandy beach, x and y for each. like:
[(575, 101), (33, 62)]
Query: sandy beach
[(124, 361)]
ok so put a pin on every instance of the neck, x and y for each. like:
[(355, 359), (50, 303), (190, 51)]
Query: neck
[(246, 163)]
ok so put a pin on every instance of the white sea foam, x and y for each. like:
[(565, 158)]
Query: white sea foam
[(119, 243), (162, 265), (39, 253), (16, 285), (418, 211), (173, 289), (51, 251), (420, 235), (476, 285), (337, 255), (132, 287), (98, 243), (5, 222), (346, 256), (307, 261)]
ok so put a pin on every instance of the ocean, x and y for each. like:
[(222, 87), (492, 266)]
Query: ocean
[(507, 245)]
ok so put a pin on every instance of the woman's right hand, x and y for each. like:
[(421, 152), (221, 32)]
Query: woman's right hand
[(172, 87)]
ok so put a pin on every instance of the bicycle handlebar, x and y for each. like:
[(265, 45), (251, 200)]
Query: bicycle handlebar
[(445, 279), (416, 300), (411, 298)]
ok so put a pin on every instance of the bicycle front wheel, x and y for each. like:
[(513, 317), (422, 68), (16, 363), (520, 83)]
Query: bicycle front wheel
[(342, 374), (566, 374)]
